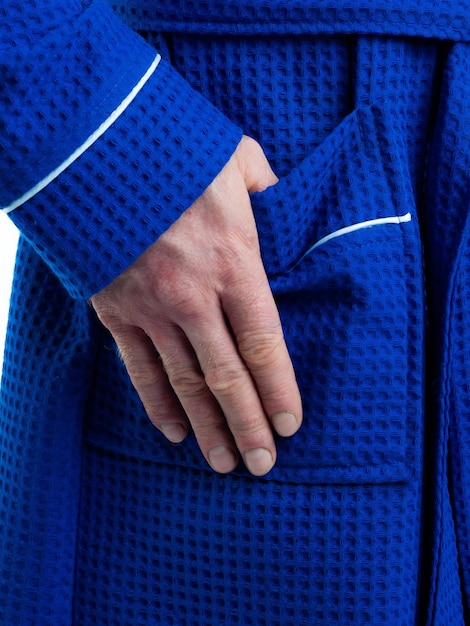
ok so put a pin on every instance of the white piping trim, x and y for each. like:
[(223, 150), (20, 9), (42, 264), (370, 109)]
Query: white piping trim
[(91, 140), (394, 219)]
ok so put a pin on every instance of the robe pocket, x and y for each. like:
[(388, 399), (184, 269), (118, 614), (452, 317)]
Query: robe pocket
[(340, 242)]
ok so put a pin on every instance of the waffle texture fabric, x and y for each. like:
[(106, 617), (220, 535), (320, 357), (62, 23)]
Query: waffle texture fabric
[(112, 121)]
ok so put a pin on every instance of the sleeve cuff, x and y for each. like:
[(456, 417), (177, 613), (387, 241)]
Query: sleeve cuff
[(111, 203)]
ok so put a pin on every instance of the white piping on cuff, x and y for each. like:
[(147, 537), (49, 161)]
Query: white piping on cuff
[(379, 221), (90, 141)]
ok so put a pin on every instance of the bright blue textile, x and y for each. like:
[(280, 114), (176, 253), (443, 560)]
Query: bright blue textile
[(364, 112)]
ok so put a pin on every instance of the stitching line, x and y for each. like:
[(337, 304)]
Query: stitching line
[(102, 128), (394, 219)]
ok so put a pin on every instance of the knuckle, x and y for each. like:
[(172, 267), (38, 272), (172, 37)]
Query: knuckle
[(250, 430), (160, 410), (105, 311), (186, 382), (260, 349), (144, 372), (177, 294), (184, 300), (143, 375), (226, 381)]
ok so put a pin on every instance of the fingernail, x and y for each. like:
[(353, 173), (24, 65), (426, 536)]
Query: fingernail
[(174, 432), (259, 461), (284, 423), (222, 459)]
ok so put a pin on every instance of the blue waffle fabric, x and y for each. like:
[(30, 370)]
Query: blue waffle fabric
[(363, 109)]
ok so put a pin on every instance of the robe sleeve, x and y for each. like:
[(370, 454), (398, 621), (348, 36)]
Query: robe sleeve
[(102, 144)]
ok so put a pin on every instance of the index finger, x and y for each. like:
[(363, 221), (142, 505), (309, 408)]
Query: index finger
[(257, 329)]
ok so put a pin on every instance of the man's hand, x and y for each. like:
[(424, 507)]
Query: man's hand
[(198, 330)]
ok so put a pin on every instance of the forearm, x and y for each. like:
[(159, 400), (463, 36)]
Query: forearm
[(102, 145)]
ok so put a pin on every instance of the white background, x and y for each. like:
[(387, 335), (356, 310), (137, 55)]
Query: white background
[(8, 243)]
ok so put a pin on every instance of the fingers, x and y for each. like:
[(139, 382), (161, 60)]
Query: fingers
[(226, 396), (258, 333), (235, 382), (173, 388), (148, 377), (254, 166), (189, 383), (210, 390)]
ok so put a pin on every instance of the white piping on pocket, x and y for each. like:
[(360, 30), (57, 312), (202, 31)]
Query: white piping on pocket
[(89, 142), (379, 221)]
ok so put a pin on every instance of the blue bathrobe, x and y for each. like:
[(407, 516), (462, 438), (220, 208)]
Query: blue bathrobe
[(113, 120)]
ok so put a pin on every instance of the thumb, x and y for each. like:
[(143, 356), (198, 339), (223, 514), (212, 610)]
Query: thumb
[(254, 166)]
